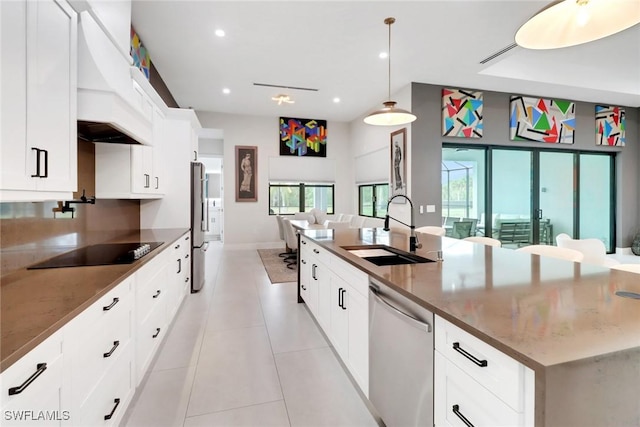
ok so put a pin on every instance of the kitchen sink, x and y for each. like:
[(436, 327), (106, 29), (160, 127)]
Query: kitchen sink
[(385, 255)]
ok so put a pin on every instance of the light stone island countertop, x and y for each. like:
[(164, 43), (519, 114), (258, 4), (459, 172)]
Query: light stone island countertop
[(36, 303), (561, 319)]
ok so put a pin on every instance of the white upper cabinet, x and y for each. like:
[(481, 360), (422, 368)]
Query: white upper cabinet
[(39, 81)]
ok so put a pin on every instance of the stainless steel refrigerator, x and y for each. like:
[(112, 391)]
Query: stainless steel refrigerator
[(198, 225)]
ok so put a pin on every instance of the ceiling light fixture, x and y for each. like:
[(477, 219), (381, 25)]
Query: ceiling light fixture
[(389, 115), (220, 33), (573, 22), (336, 100), (283, 98)]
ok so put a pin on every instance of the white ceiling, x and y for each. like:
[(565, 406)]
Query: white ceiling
[(333, 46)]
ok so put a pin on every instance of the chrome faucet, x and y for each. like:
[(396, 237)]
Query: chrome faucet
[(413, 239)]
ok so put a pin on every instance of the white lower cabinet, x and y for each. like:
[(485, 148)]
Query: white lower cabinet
[(476, 384), (86, 373), (336, 294), (32, 387), (97, 343)]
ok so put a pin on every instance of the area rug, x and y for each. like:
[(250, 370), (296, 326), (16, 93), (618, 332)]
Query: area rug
[(276, 268)]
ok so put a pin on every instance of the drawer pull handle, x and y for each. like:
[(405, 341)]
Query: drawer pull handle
[(344, 291), (303, 242), (340, 298), (313, 271), (456, 410), (115, 345), (40, 368), (481, 363), (186, 279), (110, 306), (303, 261), (179, 266), (158, 292), (113, 411), (156, 334), (316, 251), (186, 256), (177, 246)]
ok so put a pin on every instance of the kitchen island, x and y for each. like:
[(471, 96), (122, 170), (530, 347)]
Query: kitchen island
[(562, 320)]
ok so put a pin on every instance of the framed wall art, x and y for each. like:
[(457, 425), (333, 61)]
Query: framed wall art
[(246, 173), (398, 149), (462, 113), (303, 137), (542, 120), (610, 125)]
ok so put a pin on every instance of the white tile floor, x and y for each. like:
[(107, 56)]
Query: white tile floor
[(243, 352)]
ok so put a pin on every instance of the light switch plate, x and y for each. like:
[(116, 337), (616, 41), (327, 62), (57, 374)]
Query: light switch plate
[(421, 209), (431, 208)]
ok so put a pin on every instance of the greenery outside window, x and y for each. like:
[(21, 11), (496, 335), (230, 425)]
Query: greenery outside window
[(372, 200), (289, 198)]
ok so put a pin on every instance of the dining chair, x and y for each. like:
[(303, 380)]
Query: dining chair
[(461, 229), (593, 250), (633, 268), (431, 229), (337, 225), (346, 218), (292, 243), (282, 237), (553, 251), (484, 240)]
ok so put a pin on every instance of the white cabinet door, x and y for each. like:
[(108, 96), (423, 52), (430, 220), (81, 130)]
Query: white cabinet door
[(339, 317), (158, 180), (358, 309), (305, 272), (34, 384), (141, 168), (39, 83)]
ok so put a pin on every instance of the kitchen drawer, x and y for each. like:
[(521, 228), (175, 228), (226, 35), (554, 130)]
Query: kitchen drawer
[(117, 383), (147, 271), (455, 391), (357, 279), (149, 335), (501, 375), (44, 367), (97, 353), (113, 304), (320, 253), (151, 294)]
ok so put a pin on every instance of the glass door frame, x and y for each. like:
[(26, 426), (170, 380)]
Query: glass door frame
[(535, 185)]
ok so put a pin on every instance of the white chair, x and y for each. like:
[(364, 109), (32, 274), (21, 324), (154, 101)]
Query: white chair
[(337, 225), (357, 222), (562, 236), (553, 251), (430, 229), (307, 216), (484, 240), (282, 237), (292, 243), (346, 218), (338, 217), (593, 250), (633, 268), (319, 215)]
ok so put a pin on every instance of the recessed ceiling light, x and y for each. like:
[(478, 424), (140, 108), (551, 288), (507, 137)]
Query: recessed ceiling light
[(219, 33), (383, 55), (336, 100), (226, 91)]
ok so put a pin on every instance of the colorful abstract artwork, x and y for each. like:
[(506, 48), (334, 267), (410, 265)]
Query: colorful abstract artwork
[(610, 125), (462, 113), (542, 120), (140, 54), (303, 137)]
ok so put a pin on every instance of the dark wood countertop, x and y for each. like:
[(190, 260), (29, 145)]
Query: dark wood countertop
[(541, 311), (36, 303)]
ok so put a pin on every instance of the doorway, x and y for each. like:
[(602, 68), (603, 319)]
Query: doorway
[(214, 188)]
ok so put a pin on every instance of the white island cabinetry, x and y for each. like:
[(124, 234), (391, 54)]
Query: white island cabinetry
[(476, 383)]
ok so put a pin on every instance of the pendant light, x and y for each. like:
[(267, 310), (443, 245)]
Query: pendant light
[(573, 22), (389, 115)]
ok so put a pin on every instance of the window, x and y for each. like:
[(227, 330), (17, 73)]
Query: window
[(289, 198), (372, 200)]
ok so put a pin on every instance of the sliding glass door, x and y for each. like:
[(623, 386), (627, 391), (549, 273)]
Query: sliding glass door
[(533, 194)]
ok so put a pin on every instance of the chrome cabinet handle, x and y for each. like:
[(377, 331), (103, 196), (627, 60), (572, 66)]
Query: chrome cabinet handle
[(419, 323), (40, 368)]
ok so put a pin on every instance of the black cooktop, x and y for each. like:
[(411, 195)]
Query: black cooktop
[(102, 254)]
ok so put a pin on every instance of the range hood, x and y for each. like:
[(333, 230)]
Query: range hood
[(110, 109)]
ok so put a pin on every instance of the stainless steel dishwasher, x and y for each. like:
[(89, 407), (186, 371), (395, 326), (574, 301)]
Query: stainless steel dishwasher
[(400, 358)]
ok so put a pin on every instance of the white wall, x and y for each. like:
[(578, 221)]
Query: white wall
[(371, 145), (248, 224)]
